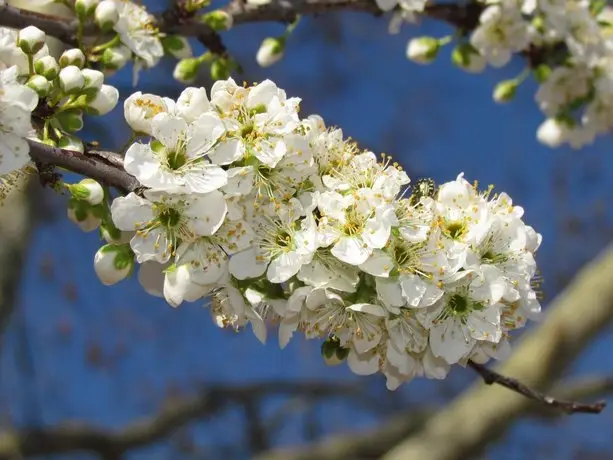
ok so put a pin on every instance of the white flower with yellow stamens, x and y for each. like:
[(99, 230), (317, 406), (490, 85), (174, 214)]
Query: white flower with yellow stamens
[(162, 221), (176, 160), (138, 31)]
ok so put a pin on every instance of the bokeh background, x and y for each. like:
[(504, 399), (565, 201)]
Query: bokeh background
[(76, 351)]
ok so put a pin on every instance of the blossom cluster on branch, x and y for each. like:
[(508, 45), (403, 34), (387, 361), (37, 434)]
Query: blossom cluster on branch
[(282, 221), (569, 46), (277, 220)]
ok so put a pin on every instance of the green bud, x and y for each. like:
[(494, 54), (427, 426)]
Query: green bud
[(466, 57), (40, 84), (48, 67), (332, 351), (220, 69), (271, 51), (505, 91), (217, 20), (542, 72), (71, 120), (423, 50), (186, 70)]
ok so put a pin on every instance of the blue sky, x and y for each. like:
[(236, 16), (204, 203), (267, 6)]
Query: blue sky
[(436, 120)]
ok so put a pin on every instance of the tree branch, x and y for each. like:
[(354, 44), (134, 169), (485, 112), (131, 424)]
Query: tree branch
[(103, 166), (177, 21), (491, 377), (108, 444), (61, 28)]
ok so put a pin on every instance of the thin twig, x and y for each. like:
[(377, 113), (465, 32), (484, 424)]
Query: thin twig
[(491, 377)]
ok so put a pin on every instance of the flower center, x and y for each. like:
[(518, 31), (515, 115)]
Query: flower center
[(176, 159), (455, 230), (169, 217)]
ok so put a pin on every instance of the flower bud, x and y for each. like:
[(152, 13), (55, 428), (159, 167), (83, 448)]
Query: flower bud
[(423, 50), (73, 143), (106, 15), (39, 84), (542, 72), (332, 351), (271, 51), (177, 46), (71, 120), (48, 67), (72, 57), (217, 20), (113, 263), (112, 234), (71, 80), (552, 133), (93, 81), (115, 58), (85, 8), (466, 57), (186, 70), (220, 69), (505, 91), (87, 190), (31, 40), (80, 214), (104, 101), (139, 110)]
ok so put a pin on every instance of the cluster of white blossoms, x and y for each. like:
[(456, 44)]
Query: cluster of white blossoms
[(284, 222), (569, 46), (60, 90)]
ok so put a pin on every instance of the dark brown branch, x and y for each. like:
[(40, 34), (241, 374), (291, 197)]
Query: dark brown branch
[(100, 165), (491, 377), (177, 21), (61, 28), (112, 444)]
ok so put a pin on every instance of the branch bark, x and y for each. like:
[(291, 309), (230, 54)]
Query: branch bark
[(103, 166), (461, 16), (575, 317)]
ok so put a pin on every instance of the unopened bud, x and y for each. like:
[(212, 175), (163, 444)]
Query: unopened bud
[(39, 84), (85, 8), (87, 190), (105, 100), (93, 81), (73, 143), (177, 46), (217, 20), (220, 69), (81, 214), (31, 40), (71, 120), (48, 67), (466, 57), (505, 91), (113, 263), (115, 58), (72, 57), (106, 15), (271, 51), (423, 50), (552, 133), (71, 80), (186, 70)]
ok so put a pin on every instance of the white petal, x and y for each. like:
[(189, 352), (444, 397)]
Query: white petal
[(378, 264), (449, 341), (284, 267), (371, 309), (131, 212), (245, 265), (418, 292), (351, 250), (485, 325), (207, 212), (204, 178), (365, 364)]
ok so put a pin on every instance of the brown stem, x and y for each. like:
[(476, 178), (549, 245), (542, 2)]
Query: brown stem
[(491, 377)]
